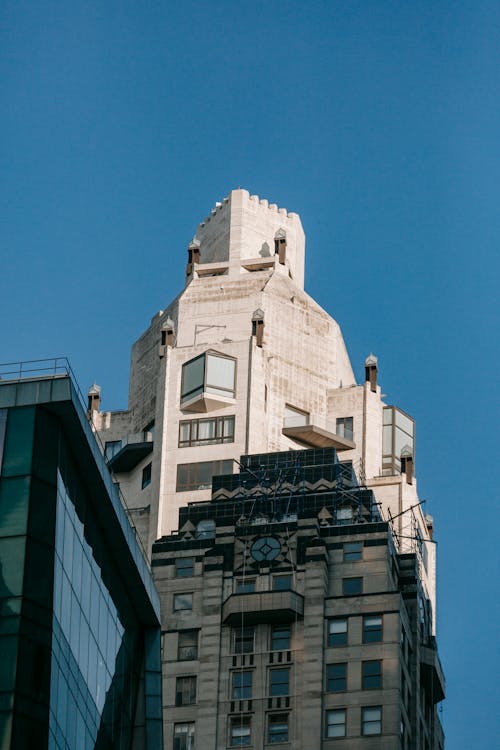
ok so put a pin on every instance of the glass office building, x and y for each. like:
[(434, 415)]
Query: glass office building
[(79, 615)]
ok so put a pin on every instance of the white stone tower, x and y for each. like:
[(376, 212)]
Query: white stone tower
[(243, 361)]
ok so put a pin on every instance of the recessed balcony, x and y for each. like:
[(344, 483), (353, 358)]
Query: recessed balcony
[(315, 433), (263, 606)]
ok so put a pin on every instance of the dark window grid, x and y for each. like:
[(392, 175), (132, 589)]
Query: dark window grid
[(372, 674), (371, 720), (372, 629), (336, 677), (241, 685), (280, 637), (352, 586), (185, 691), (187, 645), (223, 431), (279, 681), (337, 632), (184, 567), (353, 551), (277, 728)]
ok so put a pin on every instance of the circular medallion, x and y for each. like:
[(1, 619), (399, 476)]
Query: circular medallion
[(265, 548)]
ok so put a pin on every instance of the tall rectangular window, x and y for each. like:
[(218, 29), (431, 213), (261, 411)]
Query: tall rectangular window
[(371, 720), (240, 731), (372, 628), (243, 640), (185, 691), (337, 632), (146, 476), (187, 645), (372, 674), (344, 427), (335, 722), (241, 685), (280, 637), (279, 680), (184, 736), (277, 728), (336, 677)]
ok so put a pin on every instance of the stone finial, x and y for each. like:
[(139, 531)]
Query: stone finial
[(371, 360), (258, 314)]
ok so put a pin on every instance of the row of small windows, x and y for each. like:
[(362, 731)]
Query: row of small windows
[(278, 729), (371, 676), (243, 638), (184, 566), (371, 722), (279, 681), (338, 630), (243, 641)]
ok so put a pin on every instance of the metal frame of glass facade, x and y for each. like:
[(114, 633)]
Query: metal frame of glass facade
[(79, 615)]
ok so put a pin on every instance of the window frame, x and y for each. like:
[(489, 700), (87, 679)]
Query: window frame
[(183, 564), (191, 482), (355, 553), (371, 677), (147, 473), (184, 740), (365, 721), (349, 582), (275, 737), (223, 432), (242, 691), (330, 724), (279, 688), (336, 683), (206, 387), (282, 627), (282, 577), (240, 722), (372, 630), (245, 585), (111, 448), (343, 641), (186, 634), (177, 595), (185, 690), (243, 639), (344, 427)]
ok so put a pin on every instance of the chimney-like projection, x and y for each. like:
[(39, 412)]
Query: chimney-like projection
[(94, 399), (258, 326), (167, 336), (371, 371)]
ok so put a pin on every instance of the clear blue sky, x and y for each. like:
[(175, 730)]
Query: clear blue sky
[(378, 122)]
